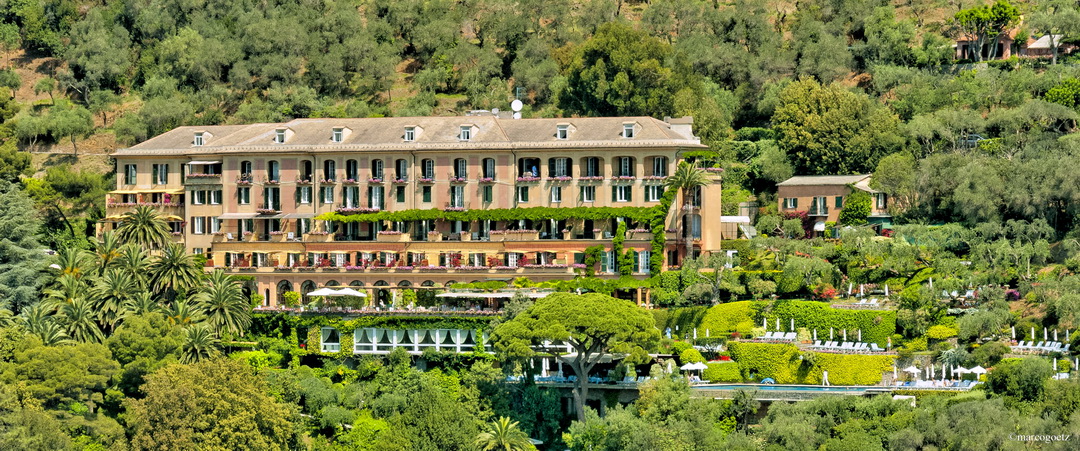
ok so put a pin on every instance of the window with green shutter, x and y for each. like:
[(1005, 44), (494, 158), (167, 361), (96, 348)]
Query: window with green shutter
[(839, 201), (427, 194)]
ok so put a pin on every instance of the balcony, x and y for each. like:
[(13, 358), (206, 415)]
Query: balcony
[(202, 179), (348, 209), (244, 180), (456, 205), (268, 209), (389, 236)]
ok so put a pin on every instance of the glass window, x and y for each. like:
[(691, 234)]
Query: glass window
[(215, 197), (588, 194), (401, 169), (523, 194), (305, 194), (160, 174), (653, 193), (377, 169), (375, 197), (660, 166), (215, 225), (338, 135), (329, 170), (130, 173), (457, 196), (460, 168), (327, 194), (198, 197), (628, 130), (410, 133), (273, 170), (198, 225), (427, 168), (466, 133), (426, 194), (556, 194), (199, 139), (622, 193), (562, 131), (399, 194), (243, 195), (489, 168), (279, 136), (487, 193)]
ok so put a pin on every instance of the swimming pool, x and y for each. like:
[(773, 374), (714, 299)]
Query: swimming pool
[(803, 388)]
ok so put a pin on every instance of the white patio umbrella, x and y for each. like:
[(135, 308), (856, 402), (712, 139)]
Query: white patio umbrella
[(700, 366), (830, 333), (1013, 332), (931, 372), (793, 325), (1055, 365), (861, 290), (765, 323), (545, 367), (894, 371), (912, 370), (778, 323), (815, 334), (323, 292), (688, 367), (849, 287), (886, 290), (860, 334), (845, 334), (978, 370), (349, 292), (931, 283), (1055, 335), (1045, 335)]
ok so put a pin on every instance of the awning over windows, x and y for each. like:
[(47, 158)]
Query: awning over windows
[(819, 226), (299, 215), (204, 162), (149, 191), (238, 215)]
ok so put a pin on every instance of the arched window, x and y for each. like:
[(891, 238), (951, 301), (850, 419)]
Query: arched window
[(283, 287), (332, 283), (404, 283), (460, 168), (305, 288), (352, 170), (401, 169), (245, 170), (427, 283), (306, 169), (591, 167), (273, 171), (329, 170), (427, 168), (376, 169), (489, 168), (659, 166), (624, 167), (560, 167)]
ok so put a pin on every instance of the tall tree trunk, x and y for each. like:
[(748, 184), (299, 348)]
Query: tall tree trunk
[(581, 389)]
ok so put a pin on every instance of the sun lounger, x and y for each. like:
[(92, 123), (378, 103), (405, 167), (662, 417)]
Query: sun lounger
[(847, 346), (1066, 348), (790, 336), (817, 344), (874, 347)]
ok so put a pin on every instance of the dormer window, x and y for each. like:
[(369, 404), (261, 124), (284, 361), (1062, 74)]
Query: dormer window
[(562, 131), (199, 139), (338, 135), (628, 130), (279, 136), (466, 133), (410, 133)]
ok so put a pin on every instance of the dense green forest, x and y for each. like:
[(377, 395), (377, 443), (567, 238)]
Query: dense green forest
[(124, 342)]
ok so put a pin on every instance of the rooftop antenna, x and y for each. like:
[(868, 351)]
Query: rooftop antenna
[(516, 106)]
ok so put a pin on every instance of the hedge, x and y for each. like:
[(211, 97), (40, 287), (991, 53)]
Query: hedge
[(781, 362), (728, 318), (722, 372), (876, 325), (686, 318), (345, 327)]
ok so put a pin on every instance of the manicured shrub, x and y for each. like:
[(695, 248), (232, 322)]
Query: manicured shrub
[(728, 318), (691, 356), (722, 372), (781, 362)]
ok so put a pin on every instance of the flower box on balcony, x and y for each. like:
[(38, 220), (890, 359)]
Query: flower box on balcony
[(560, 179), (370, 180), (431, 268), (271, 182), (267, 211), (396, 237), (426, 180), (356, 210), (434, 236), (303, 181), (458, 179), (400, 181), (203, 176), (454, 209), (528, 179), (243, 182), (487, 180), (545, 266), (305, 268), (591, 178), (654, 178), (283, 268), (327, 181), (624, 178)]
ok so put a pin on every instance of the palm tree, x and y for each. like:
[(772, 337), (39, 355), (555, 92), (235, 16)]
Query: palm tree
[(38, 320), (110, 293), (72, 261), (223, 304), (142, 303), (66, 289), (7, 319), (199, 344), (173, 272), (106, 251), (81, 321), (688, 177), (179, 313), (145, 227), (503, 434), (135, 261)]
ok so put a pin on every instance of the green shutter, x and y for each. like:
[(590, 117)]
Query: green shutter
[(614, 189), (795, 202), (839, 201)]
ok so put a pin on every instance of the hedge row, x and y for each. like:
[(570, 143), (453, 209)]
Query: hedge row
[(728, 318), (781, 362), (722, 372), (876, 325)]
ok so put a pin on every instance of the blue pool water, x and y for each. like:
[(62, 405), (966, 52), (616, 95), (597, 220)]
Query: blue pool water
[(814, 388)]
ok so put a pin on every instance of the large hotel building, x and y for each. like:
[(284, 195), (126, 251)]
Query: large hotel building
[(387, 203)]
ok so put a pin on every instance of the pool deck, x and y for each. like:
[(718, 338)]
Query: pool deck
[(770, 392)]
